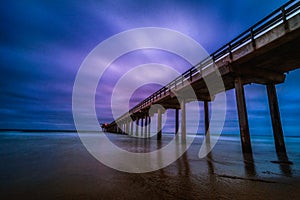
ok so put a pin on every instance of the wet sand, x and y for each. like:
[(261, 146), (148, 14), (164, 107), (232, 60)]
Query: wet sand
[(57, 166)]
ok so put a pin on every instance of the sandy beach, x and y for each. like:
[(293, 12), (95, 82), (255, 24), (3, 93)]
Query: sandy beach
[(57, 166)]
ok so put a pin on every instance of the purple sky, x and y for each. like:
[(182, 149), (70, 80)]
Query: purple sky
[(43, 44)]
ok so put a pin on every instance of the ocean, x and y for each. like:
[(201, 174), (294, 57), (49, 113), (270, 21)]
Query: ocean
[(56, 165)]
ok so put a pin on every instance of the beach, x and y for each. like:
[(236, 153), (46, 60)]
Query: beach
[(57, 166)]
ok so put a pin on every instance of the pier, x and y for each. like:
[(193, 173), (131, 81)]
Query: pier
[(263, 54)]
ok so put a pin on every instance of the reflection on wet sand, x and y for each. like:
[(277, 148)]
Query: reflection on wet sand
[(184, 172), (284, 164), (140, 145), (249, 165), (214, 193), (183, 165), (159, 157)]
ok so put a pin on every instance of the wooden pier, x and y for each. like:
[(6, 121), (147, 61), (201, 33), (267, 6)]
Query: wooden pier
[(263, 54)]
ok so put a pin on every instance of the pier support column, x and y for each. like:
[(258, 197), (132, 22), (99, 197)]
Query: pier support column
[(275, 116), (131, 127), (146, 127), (183, 120), (149, 128), (127, 127), (176, 121), (142, 127), (242, 113), (124, 127), (206, 122), (118, 128), (159, 124), (137, 127)]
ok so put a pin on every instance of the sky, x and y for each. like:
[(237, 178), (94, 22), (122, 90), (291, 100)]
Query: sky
[(43, 44)]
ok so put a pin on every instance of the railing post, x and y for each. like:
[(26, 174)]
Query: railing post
[(252, 38), (285, 22), (230, 53)]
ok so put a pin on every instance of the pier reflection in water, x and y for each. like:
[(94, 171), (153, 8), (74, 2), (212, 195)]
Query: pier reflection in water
[(284, 164), (233, 163), (249, 165)]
